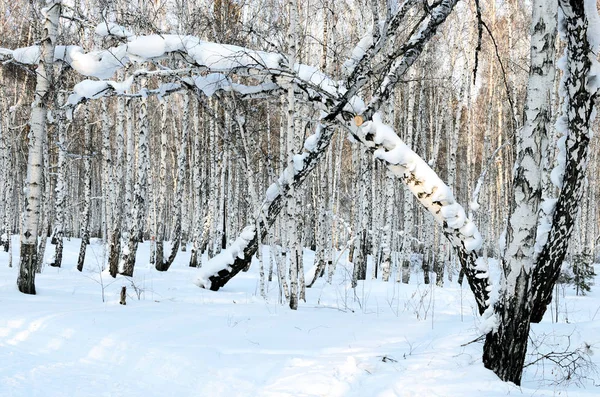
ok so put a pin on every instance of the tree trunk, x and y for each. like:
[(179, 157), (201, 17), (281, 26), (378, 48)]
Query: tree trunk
[(138, 207), (506, 345), (505, 348), (87, 191), (163, 264), (575, 123), (115, 192), (37, 135)]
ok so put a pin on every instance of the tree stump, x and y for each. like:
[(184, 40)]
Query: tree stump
[(123, 295)]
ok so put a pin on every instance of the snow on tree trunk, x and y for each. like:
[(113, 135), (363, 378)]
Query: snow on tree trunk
[(322, 229), (579, 87), (361, 245), (37, 135), (4, 158), (506, 343), (213, 203)]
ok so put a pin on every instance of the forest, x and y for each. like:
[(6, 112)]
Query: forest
[(398, 142)]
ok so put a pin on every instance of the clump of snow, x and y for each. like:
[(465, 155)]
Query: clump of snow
[(317, 78), (111, 29), (92, 89), (442, 194), (121, 87), (150, 46), (100, 64), (87, 89), (454, 215), (27, 55), (489, 321), (225, 258), (272, 192), (298, 161), (223, 57), (311, 142), (355, 104)]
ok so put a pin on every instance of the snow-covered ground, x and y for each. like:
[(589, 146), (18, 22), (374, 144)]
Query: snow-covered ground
[(175, 339)]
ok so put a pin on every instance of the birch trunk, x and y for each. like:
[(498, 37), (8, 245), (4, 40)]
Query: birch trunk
[(61, 190), (197, 172), (37, 135), (505, 347), (165, 263), (578, 116), (407, 209), (87, 191), (115, 192), (159, 256), (8, 189), (295, 252), (46, 206), (138, 208)]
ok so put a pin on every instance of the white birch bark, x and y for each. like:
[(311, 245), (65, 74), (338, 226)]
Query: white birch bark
[(407, 209), (580, 92), (160, 232), (138, 207), (44, 79), (61, 189), (295, 251), (386, 241), (177, 206), (86, 180), (46, 205), (505, 347), (7, 196), (115, 191), (200, 224)]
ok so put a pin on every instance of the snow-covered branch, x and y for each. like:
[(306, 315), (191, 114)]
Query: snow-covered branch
[(435, 196), (224, 267)]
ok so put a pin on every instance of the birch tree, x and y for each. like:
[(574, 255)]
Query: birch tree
[(37, 136), (87, 190)]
